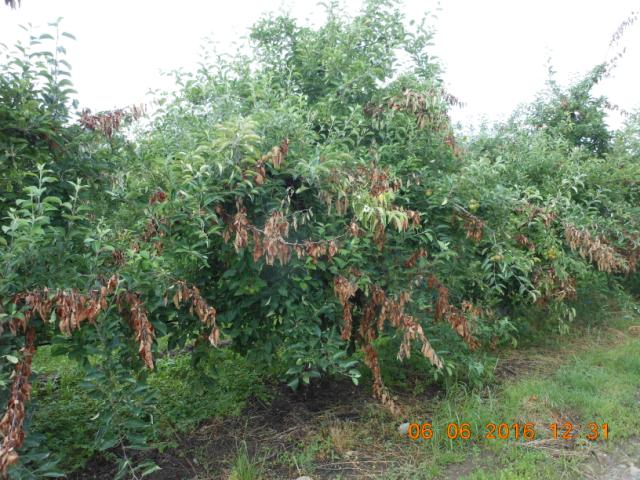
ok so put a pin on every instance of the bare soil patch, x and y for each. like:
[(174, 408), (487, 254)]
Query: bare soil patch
[(209, 451)]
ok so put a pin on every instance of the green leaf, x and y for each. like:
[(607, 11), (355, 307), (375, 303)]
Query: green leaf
[(12, 359), (148, 468)]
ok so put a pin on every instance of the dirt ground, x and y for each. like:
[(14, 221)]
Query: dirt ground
[(286, 423), (280, 425)]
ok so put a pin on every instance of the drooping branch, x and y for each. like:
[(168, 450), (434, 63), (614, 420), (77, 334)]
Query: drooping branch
[(11, 425), (376, 312), (453, 315), (140, 324), (199, 307), (72, 310), (597, 250)]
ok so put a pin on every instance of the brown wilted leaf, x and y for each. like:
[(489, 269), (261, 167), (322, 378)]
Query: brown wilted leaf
[(474, 228), (342, 205), (332, 250), (257, 246), (344, 291), (380, 392), (378, 181), (596, 249), (414, 217), (158, 197), (112, 284), (11, 424), (198, 306), (72, 308), (240, 227), (378, 234), (454, 316), (525, 242), (458, 322), (354, 229), (140, 324), (276, 229), (315, 250), (411, 262)]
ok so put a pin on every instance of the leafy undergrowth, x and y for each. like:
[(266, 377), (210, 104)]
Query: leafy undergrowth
[(66, 412), (237, 427)]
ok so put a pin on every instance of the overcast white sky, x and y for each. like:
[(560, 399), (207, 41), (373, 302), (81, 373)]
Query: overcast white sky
[(494, 51)]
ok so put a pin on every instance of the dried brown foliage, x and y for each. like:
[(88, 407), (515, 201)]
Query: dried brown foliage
[(450, 141), (442, 301), (597, 250), (260, 173), (140, 324), (270, 242), (379, 235), (474, 228), (13, 420), (332, 249), (473, 225), (379, 390), (154, 229), (566, 289), (344, 291), (413, 331), (257, 246), (110, 122), (199, 307), (239, 228), (276, 155), (417, 255), (118, 258), (420, 105), (276, 229), (375, 179), (73, 309), (158, 197), (414, 217), (545, 214), (379, 309), (378, 181), (552, 287), (458, 321), (424, 106), (619, 33), (315, 250), (456, 317), (354, 229), (524, 241)]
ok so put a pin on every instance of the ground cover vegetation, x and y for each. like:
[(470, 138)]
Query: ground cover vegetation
[(293, 212)]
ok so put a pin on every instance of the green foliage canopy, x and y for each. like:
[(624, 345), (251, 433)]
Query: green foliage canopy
[(314, 192)]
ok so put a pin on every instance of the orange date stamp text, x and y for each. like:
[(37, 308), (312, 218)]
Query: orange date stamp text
[(525, 431)]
